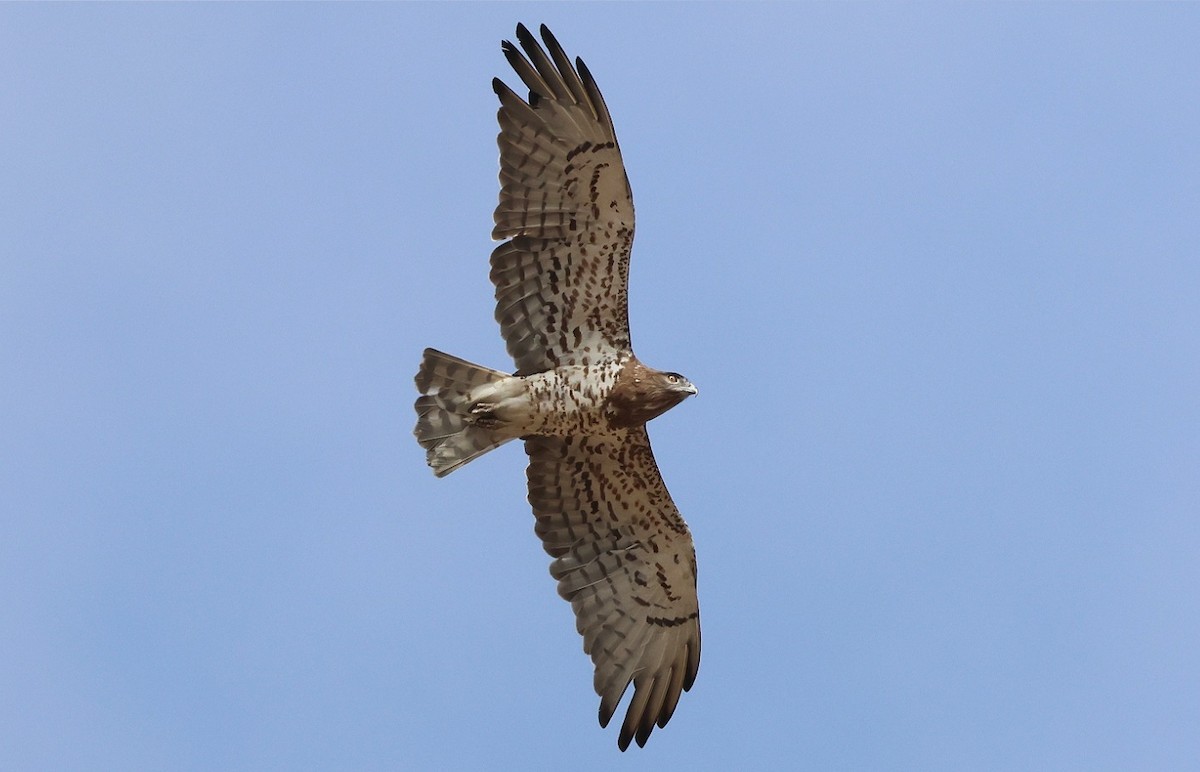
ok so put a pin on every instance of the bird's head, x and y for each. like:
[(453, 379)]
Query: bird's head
[(643, 393)]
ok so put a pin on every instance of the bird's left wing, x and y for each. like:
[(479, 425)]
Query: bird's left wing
[(623, 557)]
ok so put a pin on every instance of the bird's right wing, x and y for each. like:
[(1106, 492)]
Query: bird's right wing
[(566, 208)]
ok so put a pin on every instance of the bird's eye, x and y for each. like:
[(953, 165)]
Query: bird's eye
[(672, 379)]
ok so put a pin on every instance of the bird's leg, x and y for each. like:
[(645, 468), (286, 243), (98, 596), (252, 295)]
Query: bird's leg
[(483, 415)]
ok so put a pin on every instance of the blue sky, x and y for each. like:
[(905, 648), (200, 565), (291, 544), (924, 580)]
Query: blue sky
[(934, 269)]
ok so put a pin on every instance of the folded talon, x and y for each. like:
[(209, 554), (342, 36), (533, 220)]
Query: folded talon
[(483, 415)]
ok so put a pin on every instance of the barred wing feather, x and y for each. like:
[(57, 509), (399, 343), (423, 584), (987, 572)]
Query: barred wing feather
[(623, 557), (566, 209)]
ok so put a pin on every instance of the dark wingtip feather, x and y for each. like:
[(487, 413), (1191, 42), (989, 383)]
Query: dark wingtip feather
[(510, 51), (526, 37), (549, 39), (693, 663), (608, 706)]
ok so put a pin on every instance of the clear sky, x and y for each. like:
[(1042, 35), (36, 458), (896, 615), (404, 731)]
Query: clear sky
[(934, 268)]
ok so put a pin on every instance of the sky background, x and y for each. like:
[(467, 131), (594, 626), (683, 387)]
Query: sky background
[(934, 268)]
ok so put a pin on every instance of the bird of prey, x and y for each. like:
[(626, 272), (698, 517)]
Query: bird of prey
[(579, 398)]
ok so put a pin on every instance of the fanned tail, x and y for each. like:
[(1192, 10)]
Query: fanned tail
[(444, 424)]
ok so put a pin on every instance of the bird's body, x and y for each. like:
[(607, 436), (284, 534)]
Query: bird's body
[(579, 398)]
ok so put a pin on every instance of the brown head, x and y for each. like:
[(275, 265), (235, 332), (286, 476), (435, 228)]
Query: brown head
[(642, 393)]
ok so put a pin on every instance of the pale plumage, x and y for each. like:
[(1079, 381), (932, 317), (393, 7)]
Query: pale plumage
[(580, 399)]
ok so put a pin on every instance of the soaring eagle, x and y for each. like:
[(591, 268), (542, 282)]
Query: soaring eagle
[(579, 399)]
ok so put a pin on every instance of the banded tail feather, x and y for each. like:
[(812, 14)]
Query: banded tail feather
[(446, 427)]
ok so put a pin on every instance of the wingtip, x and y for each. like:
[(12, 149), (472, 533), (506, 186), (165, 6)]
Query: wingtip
[(525, 36)]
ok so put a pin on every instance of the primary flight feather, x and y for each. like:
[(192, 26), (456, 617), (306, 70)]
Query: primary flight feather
[(579, 398)]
